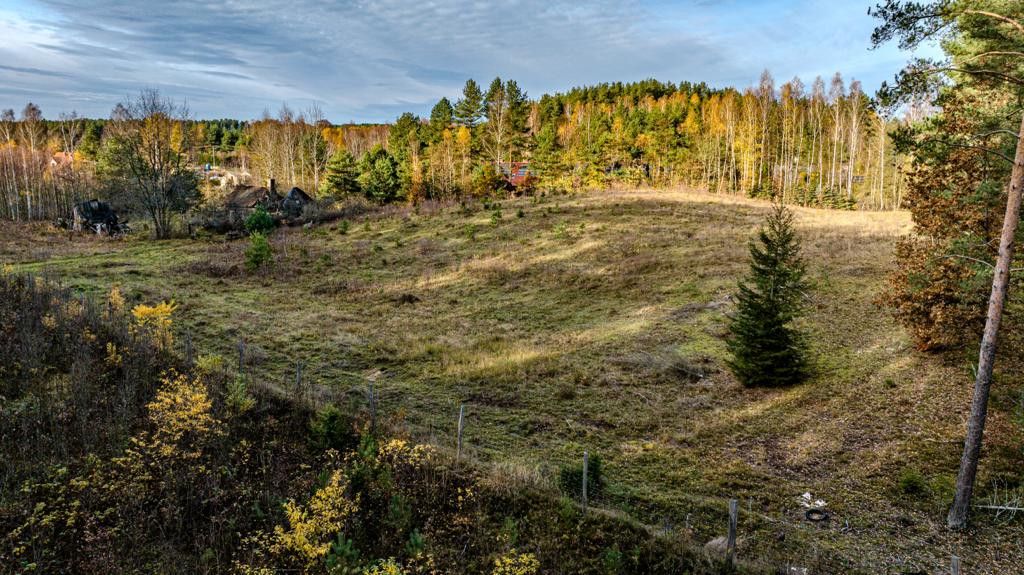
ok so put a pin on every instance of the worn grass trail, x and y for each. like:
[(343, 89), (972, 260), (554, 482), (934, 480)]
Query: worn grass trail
[(596, 322)]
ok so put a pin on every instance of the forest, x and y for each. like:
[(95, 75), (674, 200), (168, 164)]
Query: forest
[(811, 146), (630, 327)]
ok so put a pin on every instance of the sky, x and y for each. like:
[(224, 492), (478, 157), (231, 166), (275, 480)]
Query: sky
[(369, 61)]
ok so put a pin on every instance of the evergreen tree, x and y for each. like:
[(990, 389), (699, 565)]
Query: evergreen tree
[(378, 176), (341, 176), (441, 116), (470, 108), (766, 348)]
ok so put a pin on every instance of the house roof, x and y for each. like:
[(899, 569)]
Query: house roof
[(250, 196), (297, 195)]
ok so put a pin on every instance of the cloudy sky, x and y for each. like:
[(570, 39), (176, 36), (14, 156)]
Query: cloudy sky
[(366, 60)]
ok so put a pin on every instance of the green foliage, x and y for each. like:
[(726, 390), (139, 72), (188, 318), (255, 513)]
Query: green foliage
[(570, 478), (486, 180), (470, 108), (259, 253), (766, 348), (332, 429), (343, 558), (342, 176), (260, 221), (237, 397), (911, 482), (378, 177)]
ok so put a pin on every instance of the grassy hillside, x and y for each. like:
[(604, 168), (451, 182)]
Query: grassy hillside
[(595, 323)]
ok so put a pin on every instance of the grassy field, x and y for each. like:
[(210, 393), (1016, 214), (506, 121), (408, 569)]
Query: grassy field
[(595, 322)]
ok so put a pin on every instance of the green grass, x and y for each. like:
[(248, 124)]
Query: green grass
[(582, 325)]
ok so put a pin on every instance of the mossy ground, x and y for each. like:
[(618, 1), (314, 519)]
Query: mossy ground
[(596, 322)]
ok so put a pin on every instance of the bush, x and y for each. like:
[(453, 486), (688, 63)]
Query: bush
[(486, 180), (259, 222), (258, 253), (570, 478), (332, 429), (912, 482)]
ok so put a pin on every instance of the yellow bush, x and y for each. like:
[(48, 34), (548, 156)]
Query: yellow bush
[(513, 563), (182, 416), (157, 319), (312, 528), (115, 300)]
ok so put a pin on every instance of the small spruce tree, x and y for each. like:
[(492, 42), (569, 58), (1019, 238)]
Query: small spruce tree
[(766, 348)]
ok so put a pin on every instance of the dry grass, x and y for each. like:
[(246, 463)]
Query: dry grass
[(596, 322)]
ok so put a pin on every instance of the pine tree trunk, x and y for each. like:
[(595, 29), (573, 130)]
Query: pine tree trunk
[(957, 518)]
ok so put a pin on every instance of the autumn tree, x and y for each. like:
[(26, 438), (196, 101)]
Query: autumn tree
[(978, 88), (145, 158)]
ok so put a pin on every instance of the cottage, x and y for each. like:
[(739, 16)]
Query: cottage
[(295, 202), (244, 198)]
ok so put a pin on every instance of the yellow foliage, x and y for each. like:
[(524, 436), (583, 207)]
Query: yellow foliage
[(389, 567), (156, 318), (312, 527), (115, 300), (114, 357), (182, 416), (513, 563), (462, 137)]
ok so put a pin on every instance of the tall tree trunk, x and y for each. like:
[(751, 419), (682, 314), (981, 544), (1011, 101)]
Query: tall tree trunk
[(957, 518)]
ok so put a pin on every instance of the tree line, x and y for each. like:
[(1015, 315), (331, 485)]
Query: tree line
[(823, 146)]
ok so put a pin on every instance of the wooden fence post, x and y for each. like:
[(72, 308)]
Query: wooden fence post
[(731, 541), (586, 462), (458, 447), (954, 565), (241, 356), (188, 349)]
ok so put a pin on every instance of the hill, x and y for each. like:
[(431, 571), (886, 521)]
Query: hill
[(595, 322)]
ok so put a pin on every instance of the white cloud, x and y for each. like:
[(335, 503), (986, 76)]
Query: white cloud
[(368, 61)]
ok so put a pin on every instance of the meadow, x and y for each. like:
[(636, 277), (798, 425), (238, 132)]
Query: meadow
[(596, 322)]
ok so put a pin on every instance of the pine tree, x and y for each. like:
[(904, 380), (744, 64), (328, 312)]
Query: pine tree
[(470, 108), (341, 176), (767, 349)]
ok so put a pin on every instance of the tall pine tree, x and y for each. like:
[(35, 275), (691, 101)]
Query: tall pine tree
[(470, 108), (767, 349)]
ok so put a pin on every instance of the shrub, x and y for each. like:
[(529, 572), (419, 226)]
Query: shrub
[(258, 253), (570, 478), (912, 482), (157, 320), (513, 563), (259, 222), (767, 350), (332, 429), (486, 180)]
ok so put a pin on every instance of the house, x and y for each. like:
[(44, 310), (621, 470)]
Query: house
[(244, 198), (516, 173), (61, 160), (294, 202)]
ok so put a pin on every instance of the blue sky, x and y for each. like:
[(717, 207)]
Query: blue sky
[(368, 61)]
